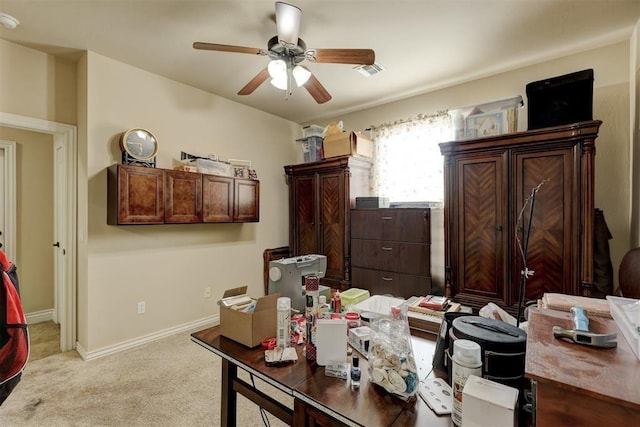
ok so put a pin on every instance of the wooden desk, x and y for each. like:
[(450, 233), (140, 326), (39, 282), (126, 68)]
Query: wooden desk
[(318, 399), (578, 385)]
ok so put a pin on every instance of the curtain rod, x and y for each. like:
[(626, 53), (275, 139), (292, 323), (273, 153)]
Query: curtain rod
[(419, 117)]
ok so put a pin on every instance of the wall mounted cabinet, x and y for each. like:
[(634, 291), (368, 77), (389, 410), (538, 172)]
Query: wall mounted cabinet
[(487, 182), (143, 195)]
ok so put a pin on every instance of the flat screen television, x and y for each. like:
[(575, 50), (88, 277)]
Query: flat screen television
[(560, 100)]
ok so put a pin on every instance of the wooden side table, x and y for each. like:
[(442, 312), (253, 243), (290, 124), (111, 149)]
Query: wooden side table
[(579, 385)]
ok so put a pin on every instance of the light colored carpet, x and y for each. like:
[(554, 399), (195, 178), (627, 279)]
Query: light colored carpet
[(44, 340), (169, 382)]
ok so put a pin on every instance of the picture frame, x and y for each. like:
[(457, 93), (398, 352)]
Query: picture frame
[(485, 124)]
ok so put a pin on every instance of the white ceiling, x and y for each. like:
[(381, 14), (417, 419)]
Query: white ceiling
[(423, 44)]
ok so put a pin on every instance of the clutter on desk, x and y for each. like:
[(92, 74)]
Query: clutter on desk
[(337, 370), (331, 341), (437, 394), (311, 283), (253, 323), (437, 307), (392, 365), (626, 314), (563, 302), (280, 356), (486, 403), (286, 277)]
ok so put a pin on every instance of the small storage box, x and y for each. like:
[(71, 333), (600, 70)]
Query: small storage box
[(486, 403), (352, 297), (252, 328), (560, 100), (213, 167), (312, 130), (311, 148), (347, 144), (371, 202)]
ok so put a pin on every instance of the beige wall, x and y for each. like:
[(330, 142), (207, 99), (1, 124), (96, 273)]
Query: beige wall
[(634, 149), (37, 85), (34, 217), (168, 266), (611, 105)]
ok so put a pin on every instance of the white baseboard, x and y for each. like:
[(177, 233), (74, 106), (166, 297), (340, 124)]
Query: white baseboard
[(105, 351), (39, 316)]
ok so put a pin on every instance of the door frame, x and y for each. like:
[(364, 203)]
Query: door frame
[(9, 229), (67, 136)]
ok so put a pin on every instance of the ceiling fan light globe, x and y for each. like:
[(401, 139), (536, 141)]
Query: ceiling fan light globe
[(288, 24), (280, 83), (277, 69), (301, 75)]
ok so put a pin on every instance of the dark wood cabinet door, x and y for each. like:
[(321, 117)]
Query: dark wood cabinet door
[(303, 233), (217, 198), (332, 229), (135, 195), (551, 251), (183, 197), (246, 200), (479, 235)]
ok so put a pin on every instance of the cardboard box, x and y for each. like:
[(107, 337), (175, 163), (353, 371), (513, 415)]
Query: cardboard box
[(486, 403), (347, 144), (249, 329)]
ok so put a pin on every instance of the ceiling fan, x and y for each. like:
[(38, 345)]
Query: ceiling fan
[(287, 51)]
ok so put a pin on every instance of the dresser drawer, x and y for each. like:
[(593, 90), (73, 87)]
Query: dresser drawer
[(406, 225), (387, 282), (401, 257)]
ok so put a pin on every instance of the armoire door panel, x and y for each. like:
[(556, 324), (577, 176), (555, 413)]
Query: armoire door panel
[(550, 244), (332, 222), (304, 223), (482, 226)]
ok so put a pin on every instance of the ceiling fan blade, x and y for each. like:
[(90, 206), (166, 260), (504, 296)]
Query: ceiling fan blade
[(288, 24), (342, 56), (316, 90), (254, 83), (228, 48)]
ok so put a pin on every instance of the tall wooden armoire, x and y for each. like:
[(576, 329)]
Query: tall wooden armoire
[(321, 195), (487, 182)]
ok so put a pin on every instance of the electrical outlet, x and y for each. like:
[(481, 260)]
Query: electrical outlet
[(142, 306), (207, 292)]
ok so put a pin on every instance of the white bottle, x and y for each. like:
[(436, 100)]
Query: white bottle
[(466, 361), (284, 322)]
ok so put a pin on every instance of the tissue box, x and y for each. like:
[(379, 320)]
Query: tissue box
[(252, 328), (486, 403), (347, 144)]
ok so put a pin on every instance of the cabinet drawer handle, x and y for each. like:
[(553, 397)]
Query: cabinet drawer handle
[(386, 248), (387, 279), (386, 218)]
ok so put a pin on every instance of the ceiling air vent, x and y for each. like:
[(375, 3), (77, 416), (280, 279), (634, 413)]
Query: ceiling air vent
[(369, 70)]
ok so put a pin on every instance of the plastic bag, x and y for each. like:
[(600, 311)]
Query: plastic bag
[(392, 365)]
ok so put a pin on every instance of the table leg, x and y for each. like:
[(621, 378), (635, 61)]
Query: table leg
[(229, 396)]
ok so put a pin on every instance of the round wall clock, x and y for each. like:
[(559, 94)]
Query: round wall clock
[(139, 146)]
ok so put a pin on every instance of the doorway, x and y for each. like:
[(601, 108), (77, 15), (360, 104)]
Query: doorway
[(65, 200)]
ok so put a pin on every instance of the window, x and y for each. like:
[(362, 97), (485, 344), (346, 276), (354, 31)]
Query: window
[(407, 160)]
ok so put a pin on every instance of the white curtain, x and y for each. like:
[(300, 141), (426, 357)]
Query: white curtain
[(407, 160)]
